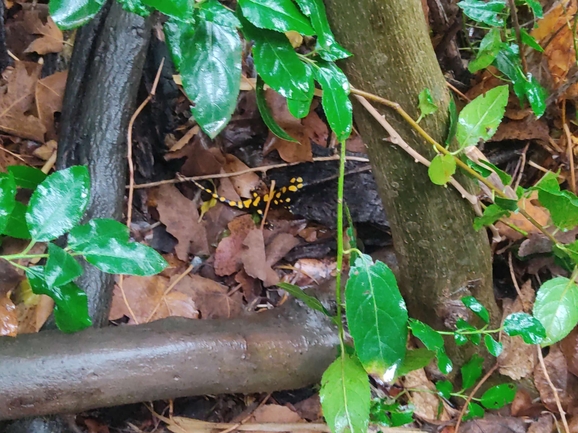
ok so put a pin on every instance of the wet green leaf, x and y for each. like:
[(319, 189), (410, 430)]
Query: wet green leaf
[(95, 231), (300, 108), (491, 214), (70, 302), (498, 396), (536, 8), (277, 15), (556, 308), (474, 411), (309, 300), (441, 169), (345, 396), (179, 36), (480, 119), (16, 226), (7, 199), (444, 388), (414, 360), (61, 268), (528, 327), (266, 113), (474, 305), (494, 347), (26, 177), (426, 104), (181, 9), (136, 7), (488, 51), (335, 99), (58, 203), (562, 205), (433, 341), (377, 317), (453, 119), (69, 14), (529, 40), (536, 95), (484, 12), (472, 371), (462, 325)]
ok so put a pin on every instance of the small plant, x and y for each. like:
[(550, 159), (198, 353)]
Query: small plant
[(56, 208)]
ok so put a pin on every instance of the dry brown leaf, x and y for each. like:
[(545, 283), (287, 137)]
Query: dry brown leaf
[(244, 184), (279, 246), (8, 318), (310, 408), (144, 294), (426, 403), (228, 253), (18, 99), (251, 287), (255, 261), (558, 372), (181, 217), (494, 424), (33, 315), (45, 151), (49, 94), (545, 424), (536, 211), (528, 129), (290, 151), (569, 347), (523, 404), (309, 271), (50, 40), (274, 413)]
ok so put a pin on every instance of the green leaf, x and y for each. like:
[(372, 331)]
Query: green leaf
[(433, 341), (61, 268), (326, 46), (70, 302), (460, 339), (556, 308), (414, 360), (453, 115), (308, 300), (504, 177), (335, 99), (179, 36), (215, 12), (472, 371), (441, 169), (536, 95), (480, 119), (69, 14), (266, 113), (345, 396), (58, 203), (26, 177), (494, 347), (277, 63), (277, 15), (474, 411), (484, 12), (570, 250), (16, 226), (426, 104), (536, 8), (444, 388), (529, 40), (491, 214), (506, 203), (498, 396), (562, 205), (377, 317), (462, 325), (300, 108), (211, 70), (7, 199), (489, 49), (474, 305), (401, 416), (181, 9), (95, 231), (136, 7), (528, 327)]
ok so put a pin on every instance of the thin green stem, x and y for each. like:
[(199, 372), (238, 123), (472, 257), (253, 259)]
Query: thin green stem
[(339, 265), (23, 256), (29, 247), (477, 331), (16, 265)]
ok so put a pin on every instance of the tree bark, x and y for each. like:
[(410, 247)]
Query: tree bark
[(441, 257)]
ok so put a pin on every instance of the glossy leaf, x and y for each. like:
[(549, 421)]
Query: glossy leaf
[(136, 7), (308, 300), (70, 302), (326, 46), (494, 347), (536, 8), (529, 40), (345, 396), (474, 411), (179, 36), (300, 108), (484, 12), (528, 327), (504, 177), (414, 360), (506, 203), (181, 9), (277, 15), (562, 205), (453, 119), (16, 226), (488, 51), (335, 99), (480, 119), (498, 396), (433, 341), (26, 177), (266, 113), (211, 70), (444, 388), (472, 334), (277, 63), (58, 203), (491, 214), (536, 95), (95, 231), (472, 371), (426, 104), (441, 169), (61, 268), (460, 339), (508, 62), (474, 305), (7, 199), (556, 308), (377, 317), (69, 14)]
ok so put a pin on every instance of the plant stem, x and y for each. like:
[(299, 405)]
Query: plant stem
[(22, 255), (339, 265), (29, 247)]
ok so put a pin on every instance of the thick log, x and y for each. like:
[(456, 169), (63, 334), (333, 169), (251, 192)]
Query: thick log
[(51, 372)]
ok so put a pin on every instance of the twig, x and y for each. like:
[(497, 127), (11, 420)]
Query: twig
[(262, 169), (131, 175), (554, 390), (514, 14), (458, 92), (168, 290), (268, 204), (469, 399), (514, 280)]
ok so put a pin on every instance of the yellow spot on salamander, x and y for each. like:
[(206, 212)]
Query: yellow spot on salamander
[(247, 202), (222, 199), (292, 188)]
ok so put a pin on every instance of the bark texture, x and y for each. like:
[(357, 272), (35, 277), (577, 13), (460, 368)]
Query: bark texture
[(51, 372), (441, 257)]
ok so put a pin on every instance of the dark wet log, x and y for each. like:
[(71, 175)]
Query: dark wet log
[(4, 57), (51, 372), (100, 97)]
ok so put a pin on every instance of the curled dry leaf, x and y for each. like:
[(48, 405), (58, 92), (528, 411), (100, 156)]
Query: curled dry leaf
[(255, 261), (566, 384), (228, 253), (426, 403), (181, 217), (50, 38)]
